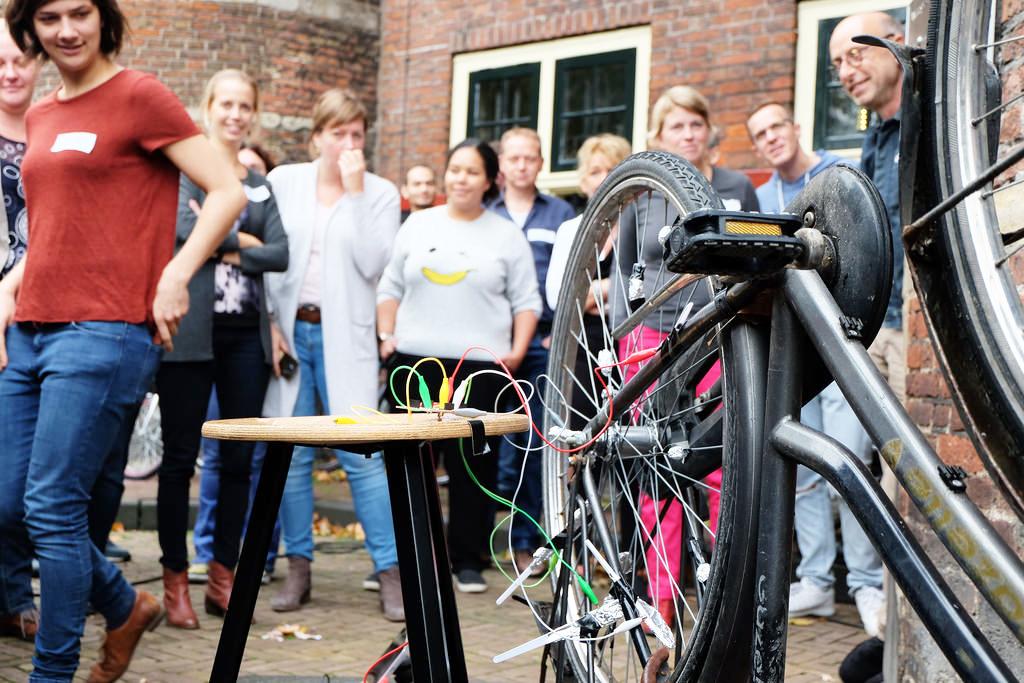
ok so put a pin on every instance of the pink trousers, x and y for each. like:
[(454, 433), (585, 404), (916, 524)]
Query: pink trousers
[(663, 553)]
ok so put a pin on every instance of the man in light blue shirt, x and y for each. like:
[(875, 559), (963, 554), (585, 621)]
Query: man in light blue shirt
[(776, 138)]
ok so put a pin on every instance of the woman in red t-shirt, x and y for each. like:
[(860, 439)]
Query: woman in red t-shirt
[(86, 311)]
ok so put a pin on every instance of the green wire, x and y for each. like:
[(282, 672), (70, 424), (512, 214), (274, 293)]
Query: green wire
[(494, 556), (584, 586), (391, 385)]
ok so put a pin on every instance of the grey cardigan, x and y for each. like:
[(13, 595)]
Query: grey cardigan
[(194, 341)]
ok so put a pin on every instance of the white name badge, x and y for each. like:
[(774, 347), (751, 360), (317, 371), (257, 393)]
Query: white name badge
[(257, 194), (74, 142), (540, 235)]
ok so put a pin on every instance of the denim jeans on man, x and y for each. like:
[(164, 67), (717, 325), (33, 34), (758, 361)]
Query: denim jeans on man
[(63, 397), (209, 489), (815, 529), (366, 476), (518, 469)]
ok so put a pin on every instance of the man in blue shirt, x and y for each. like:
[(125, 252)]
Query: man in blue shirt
[(872, 78), (539, 216), (776, 139)]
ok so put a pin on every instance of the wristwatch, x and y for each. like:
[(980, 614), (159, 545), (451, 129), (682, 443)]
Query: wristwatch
[(384, 336)]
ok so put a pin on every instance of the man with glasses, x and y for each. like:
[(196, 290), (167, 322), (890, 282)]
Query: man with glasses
[(872, 78)]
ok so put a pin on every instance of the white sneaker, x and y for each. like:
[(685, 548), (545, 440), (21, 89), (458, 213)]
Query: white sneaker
[(871, 606), (806, 598)]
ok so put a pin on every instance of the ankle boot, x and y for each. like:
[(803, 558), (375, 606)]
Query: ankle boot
[(177, 602), (296, 589), (219, 580)]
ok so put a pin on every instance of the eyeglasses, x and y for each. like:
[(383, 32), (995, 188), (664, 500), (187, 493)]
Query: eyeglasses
[(854, 57), (776, 128)]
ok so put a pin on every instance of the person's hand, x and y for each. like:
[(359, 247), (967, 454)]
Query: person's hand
[(546, 342), (278, 347), (6, 320), (194, 205), (387, 347), (513, 360), (352, 165), (169, 305), (248, 241)]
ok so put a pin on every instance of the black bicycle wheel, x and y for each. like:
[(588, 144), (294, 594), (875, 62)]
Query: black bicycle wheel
[(684, 538), (972, 271)]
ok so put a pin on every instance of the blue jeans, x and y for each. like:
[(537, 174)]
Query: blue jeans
[(209, 489), (815, 530), (366, 476), (16, 570), (513, 462), (64, 396)]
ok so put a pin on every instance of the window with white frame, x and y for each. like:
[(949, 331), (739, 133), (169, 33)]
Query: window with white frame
[(828, 118), (566, 89)]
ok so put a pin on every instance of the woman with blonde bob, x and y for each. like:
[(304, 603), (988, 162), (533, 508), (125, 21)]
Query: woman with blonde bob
[(681, 124), (223, 342), (341, 221)]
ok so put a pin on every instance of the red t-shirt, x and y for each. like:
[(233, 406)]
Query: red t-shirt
[(101, 200)]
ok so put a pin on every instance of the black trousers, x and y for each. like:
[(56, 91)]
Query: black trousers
[(470, 511), (240, 374)]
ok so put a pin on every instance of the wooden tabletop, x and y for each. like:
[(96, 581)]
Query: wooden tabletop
[(325, 431)]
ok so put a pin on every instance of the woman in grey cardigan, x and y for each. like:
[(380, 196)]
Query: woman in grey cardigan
[(225, 341)]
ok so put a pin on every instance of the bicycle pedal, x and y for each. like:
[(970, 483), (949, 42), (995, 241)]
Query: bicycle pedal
[(715, 242)]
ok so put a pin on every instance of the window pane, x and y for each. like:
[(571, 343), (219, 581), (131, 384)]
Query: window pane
[(593, 94), (501, 99)]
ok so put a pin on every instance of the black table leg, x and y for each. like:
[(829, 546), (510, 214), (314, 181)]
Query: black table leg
[(246, 588), (432, 622)]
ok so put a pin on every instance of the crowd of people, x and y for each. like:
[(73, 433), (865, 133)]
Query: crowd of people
[(140, 250)]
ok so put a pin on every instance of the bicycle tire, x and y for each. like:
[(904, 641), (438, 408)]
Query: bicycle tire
[(975, 311), (722, 620)]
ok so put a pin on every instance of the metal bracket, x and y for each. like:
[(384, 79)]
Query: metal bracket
[(853, 327), (953, 476)]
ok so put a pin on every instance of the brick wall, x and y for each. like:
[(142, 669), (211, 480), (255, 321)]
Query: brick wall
[(294, 55), (737, 52)]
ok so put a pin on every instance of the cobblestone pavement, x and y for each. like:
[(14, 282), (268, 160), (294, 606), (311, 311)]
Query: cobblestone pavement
[(355, 634)]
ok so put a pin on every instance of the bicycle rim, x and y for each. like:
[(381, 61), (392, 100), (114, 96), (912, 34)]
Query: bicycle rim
[(976, 310), (676, 553)]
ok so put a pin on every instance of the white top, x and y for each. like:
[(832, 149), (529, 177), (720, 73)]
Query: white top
[(310, 292), (460, 284), (518, 217), (560, 257)]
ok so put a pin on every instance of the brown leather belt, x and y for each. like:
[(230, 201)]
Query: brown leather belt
[(308, 313)]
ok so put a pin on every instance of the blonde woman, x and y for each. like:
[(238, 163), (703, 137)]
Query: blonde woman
[(341, 220), (223, 342)]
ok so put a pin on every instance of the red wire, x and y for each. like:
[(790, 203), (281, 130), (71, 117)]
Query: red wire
[(382, 658)]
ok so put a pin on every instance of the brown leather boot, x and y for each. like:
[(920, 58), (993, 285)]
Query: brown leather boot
[(119, 645), (23, 625), (219, 580), (296, 589), (177, 601)]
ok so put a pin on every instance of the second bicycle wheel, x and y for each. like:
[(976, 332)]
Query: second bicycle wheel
[(680, 507), (972, 271)]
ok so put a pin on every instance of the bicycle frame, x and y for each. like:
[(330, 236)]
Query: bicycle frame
[(804, 312)]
